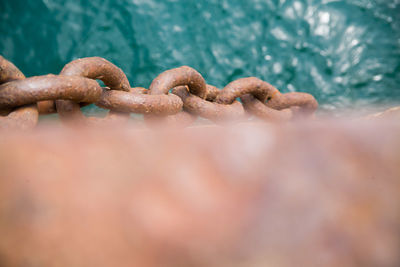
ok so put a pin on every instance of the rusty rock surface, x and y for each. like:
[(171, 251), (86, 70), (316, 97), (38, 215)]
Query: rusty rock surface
[(47, 107), (22, 118), (391, 113), (179, 120), (305, 194)]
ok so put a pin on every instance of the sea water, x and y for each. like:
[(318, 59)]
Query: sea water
[(344, 52)]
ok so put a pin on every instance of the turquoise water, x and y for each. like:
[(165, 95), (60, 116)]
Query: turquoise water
[(346, 53)]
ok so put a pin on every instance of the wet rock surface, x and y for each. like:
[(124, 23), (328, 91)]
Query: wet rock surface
[(309, 194)]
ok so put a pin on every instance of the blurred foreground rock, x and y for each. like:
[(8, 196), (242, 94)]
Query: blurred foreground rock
[(312, 194), (391, 113)]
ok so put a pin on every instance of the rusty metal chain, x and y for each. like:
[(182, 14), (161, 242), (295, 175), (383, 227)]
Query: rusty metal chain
[(209, 109), (176, 96), (21, 117), (93, 68)]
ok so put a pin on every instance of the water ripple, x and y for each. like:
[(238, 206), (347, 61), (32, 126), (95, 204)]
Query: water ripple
[(346, 53)]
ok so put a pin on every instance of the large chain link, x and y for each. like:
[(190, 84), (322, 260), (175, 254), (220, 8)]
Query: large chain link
[(177, 95), (22, 117)]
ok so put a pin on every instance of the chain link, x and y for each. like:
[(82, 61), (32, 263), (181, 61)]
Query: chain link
[(176, 96), (23, 117)]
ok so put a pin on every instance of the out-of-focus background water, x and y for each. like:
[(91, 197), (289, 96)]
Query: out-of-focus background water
[(344, 52)]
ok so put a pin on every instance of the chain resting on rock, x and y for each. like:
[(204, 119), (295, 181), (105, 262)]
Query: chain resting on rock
[(176, 96)]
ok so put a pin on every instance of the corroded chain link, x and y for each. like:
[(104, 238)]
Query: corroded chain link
[(21, 117), (177, 95), (93, 68)]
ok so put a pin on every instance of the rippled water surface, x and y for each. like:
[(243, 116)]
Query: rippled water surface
[(346, 53)]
